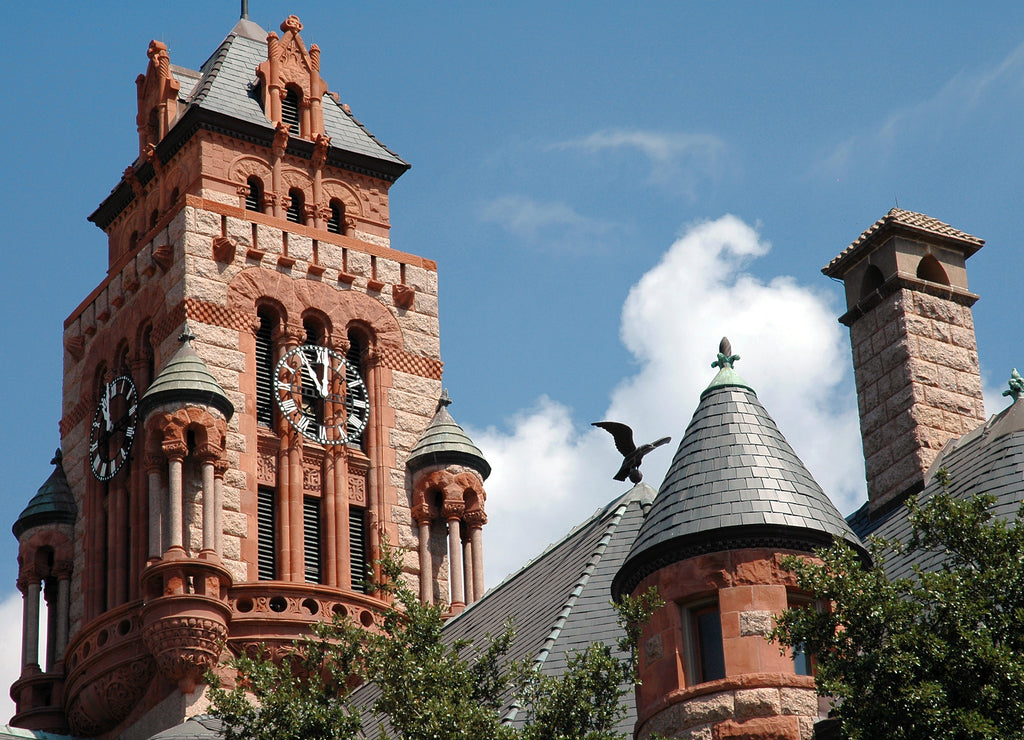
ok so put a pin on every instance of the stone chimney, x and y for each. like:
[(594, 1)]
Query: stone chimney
[(915, 356)]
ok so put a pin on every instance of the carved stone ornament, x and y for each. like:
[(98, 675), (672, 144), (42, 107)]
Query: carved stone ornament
[(224, 248), (163, 257), (453, 509), (185, 647), (357, 489), (75, 346), (103, 703), (404, 295), (266, 467)]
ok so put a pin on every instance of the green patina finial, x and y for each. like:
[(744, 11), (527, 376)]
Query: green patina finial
[(725, 356), (1016, 386)]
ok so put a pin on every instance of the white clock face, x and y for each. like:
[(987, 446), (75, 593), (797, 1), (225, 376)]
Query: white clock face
[(322, 395), (113, 428)]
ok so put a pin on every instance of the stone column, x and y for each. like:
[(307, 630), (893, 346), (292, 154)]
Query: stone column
[(175, 452), (62, 571), (29, 584), (453, 513), (476, 520), (220, 467), (156, 508), (208, 455), (467, 566), (421, 515)]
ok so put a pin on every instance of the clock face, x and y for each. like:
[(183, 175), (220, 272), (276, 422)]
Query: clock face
[(321, 395), (113, 427)]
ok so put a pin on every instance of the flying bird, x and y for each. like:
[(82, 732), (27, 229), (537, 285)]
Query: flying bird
[(631, 454)]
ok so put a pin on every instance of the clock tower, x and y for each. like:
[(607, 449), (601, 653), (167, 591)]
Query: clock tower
[(242, 392)]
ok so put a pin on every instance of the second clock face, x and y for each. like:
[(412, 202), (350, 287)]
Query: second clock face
[(321, 395), (113, 427)]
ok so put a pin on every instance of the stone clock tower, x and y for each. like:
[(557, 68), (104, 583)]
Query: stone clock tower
[(242, 392)]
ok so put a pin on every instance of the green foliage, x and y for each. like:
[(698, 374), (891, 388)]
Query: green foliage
[(425, 688), (937, 655)]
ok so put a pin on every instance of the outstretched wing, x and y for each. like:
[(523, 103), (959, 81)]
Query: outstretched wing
[(622, 435)]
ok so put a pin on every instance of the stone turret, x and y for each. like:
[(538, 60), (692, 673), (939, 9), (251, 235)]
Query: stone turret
[(735, 501), (915, 356)]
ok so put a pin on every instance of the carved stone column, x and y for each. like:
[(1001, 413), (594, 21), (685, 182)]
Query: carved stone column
[(220, 467), (175, 452), (476, 520), (62, 571), (156, 508), (29, 584), (453, 511), (208, 456), (421, 515)]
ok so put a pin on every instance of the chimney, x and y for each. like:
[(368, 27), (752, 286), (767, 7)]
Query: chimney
[(915, 357)]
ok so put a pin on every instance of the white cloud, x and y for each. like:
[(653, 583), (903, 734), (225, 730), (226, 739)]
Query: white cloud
[(551, 472), (673, 156), (529, 218), (10, 650), (964, 95)]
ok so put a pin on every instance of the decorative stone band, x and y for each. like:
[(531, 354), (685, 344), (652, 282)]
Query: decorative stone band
[(903, 280), (768, 536)]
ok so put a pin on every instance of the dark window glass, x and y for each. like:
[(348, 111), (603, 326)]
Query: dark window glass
[(802, 662), (354, 363), (265, 372), (707, 640), (336, 223), (255, 195), (296, 205), (266, 524)]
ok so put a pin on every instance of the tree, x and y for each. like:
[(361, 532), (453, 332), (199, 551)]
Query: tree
[(425, 688), (936, 655)]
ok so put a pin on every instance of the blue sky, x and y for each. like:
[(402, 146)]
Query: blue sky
[(607, 189)]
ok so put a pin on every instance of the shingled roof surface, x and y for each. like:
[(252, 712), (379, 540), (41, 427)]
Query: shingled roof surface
[(988, 460), (228, 82), (909, 221), (560, 602)]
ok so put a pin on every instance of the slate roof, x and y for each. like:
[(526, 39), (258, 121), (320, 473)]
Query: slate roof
[(734, 482), (201, 727), (559, 602), (228, 84), (988, 460), (444, 442), (53, 503), (908, 222), (186, 377)]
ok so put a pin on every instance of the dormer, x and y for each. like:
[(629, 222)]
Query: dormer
[(158, 97), (291, 83)]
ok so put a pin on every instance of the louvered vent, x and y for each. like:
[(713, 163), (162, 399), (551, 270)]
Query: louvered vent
[(266, 545), (295, 206), (354, 364), (357, 548), (264, 374), (290, 112), (336, 221), (254, 196), (311, 522)]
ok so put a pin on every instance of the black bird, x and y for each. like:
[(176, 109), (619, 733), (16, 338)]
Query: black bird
[(631, 454)]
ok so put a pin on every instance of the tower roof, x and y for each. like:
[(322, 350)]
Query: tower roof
[(186, 378), (444, 442), (53, 503), (734, 482), (909, 223)]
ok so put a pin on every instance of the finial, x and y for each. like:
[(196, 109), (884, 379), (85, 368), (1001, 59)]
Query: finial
[(58, 457), (186, 336), (725, 355), (1016, 386), (245, 10), (445, 400)]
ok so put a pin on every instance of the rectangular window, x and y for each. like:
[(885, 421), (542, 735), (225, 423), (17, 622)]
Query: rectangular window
[(803, 664), (311, 529), (266, 528), (357, 547), (707, 655), (264, 374)]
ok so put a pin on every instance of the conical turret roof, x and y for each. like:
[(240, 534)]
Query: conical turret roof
[(444, 442), (734, 483), (186, 378), (53, 503)]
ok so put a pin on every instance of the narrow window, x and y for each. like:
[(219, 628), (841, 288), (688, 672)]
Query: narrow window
[(295, 207), (872, 281), (357, 548), (266, 526), (930, 269), (265, 372), (311, 529), (254, 198), (290, 111), (336, 223), (803, 664), (706, 637), (356, 404)]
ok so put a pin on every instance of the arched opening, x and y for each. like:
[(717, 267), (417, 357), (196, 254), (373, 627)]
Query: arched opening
[(931, 270), (871, 281), (265, 367), (336, 223), (290, 111), (254, 197), (296, 205)]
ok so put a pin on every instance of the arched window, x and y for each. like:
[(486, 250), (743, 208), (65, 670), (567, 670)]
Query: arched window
[(296, 206), (354, 361), (254, 198), (872, 281), (290, 111), (336, 223), (929, 269)]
